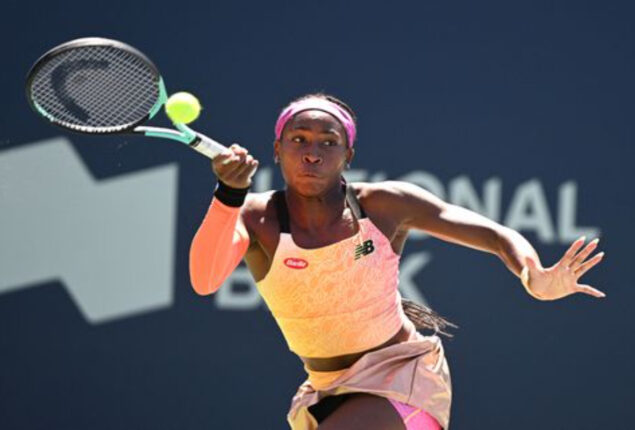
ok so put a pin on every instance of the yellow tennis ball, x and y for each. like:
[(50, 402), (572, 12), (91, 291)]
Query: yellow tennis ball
[(182, 108)]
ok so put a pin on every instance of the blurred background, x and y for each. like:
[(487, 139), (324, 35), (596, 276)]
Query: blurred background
[(522, 111)]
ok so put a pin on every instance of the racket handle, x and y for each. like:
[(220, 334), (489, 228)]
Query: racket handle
[(201, 143), (197, 141), (207, 146)]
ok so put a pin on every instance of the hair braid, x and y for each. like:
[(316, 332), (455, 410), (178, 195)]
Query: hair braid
[(425, 318)]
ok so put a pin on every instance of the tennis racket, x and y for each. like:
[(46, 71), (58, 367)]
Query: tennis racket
[(102, 86)]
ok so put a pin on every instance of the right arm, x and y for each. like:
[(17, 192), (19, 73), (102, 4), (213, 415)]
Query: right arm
[(218, 246), (222, 239)]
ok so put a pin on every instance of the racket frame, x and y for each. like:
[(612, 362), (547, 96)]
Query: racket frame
[(197, 141)]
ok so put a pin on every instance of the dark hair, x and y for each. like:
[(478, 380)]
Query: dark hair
[(425, 318)]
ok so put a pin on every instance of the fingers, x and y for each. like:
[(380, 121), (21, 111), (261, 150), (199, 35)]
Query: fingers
[(579, 259), (568, 256), (225, 157), (583, 268), (587, 289), (233, 153), (243, 171), (235, 167)]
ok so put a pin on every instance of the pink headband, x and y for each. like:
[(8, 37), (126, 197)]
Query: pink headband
[(318, 103)]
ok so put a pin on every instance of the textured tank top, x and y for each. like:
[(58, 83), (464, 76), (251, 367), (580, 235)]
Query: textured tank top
[(338, 299)]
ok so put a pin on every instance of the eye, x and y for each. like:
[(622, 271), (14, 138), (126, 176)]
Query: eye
[(297, 139), (330, 142)]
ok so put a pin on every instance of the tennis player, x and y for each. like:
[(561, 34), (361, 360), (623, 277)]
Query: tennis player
[(325, 256)]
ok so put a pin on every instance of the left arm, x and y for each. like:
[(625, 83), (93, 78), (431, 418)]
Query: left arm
[(417, 208)]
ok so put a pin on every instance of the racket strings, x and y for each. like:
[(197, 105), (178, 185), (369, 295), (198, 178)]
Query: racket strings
[(95, 89), (101, 91)]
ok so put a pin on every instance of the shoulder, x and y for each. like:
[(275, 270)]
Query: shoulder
[(397, 199), (259, 205), (389, 192), (260, 217)]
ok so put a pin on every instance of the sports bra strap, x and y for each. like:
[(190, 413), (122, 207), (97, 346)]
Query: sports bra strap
[(283, 211), (353, 203)]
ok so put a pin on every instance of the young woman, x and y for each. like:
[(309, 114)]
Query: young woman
[(325, 255)]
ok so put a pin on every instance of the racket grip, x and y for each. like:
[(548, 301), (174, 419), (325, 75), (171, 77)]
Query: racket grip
[(207, 146)]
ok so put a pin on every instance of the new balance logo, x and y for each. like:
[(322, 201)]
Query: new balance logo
[(364, 249)]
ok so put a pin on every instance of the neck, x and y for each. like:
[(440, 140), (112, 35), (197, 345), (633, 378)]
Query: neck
[(316, 212)]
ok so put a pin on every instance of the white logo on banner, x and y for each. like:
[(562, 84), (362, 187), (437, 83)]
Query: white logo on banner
[(110, 242)]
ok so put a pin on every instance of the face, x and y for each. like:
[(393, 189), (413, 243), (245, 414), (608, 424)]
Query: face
[(313, 152)]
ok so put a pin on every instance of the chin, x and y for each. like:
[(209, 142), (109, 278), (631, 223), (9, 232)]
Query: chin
[(311, 187), (310, 190)]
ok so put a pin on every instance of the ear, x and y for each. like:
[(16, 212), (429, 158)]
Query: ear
[(276, 149), (350, 154)]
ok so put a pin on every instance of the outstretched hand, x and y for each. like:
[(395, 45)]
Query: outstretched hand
[(561, 279)]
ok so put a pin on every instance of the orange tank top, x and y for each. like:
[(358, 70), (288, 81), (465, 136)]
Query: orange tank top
[(338, 299)]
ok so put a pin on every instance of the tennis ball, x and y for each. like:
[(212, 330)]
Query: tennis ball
[(182, 108)]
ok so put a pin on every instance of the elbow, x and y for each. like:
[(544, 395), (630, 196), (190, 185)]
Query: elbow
[(502, 241), (201, 289), (203, 283), (202, 272), (199, 285), (202, 286)]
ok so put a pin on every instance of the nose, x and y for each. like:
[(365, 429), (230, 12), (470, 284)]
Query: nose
[(312, 158)]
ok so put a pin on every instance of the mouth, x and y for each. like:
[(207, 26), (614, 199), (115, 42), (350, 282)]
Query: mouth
[(309, 174)]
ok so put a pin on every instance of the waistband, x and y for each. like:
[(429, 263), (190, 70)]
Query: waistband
[(322, 379)]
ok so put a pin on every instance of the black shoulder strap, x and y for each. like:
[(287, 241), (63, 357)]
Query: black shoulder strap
[(282, 211), (353, 203)]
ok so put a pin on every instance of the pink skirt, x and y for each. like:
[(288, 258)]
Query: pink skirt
[(414, 372)]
